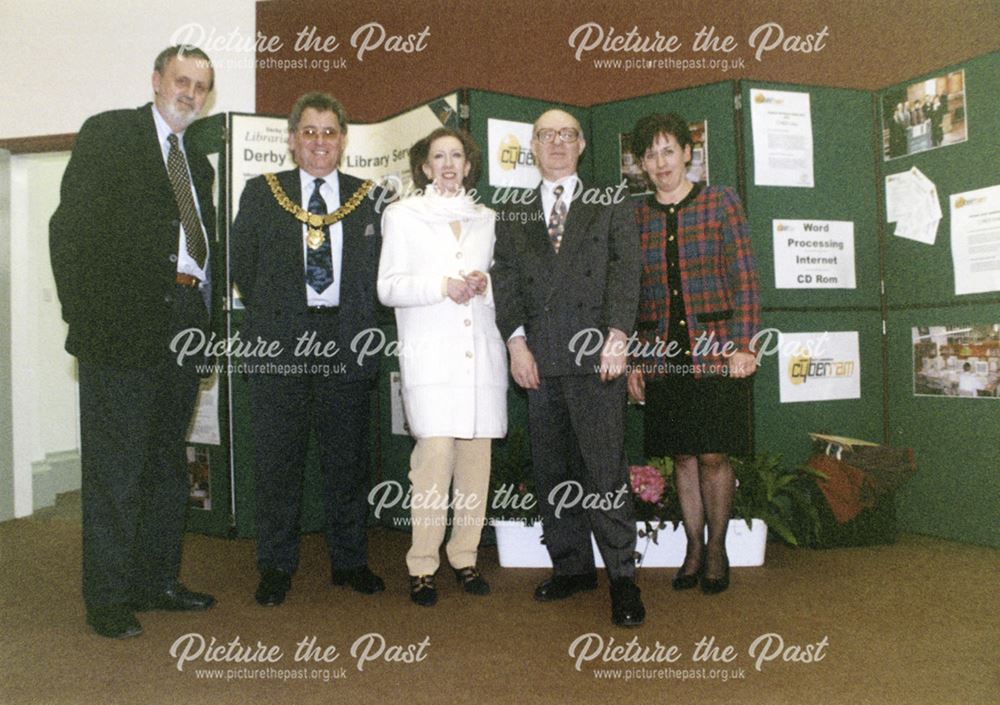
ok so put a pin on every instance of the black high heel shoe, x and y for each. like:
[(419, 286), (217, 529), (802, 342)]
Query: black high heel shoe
[(686, 581), (713, 586)]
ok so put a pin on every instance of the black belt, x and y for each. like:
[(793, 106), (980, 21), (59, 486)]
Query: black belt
[(323, 310)]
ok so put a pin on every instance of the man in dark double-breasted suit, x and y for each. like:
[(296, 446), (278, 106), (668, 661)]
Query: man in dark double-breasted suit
[(130, 253), (566, 283), (309, 291)]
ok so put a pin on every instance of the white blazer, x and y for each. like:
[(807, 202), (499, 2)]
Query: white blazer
[(453, 362)]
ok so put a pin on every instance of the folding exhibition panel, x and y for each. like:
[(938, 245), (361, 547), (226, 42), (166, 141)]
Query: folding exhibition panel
[(844, 171), (956, 440)]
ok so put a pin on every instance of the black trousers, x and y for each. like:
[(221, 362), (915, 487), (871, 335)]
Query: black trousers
[(577, 426), (133, 423), (285, 411)]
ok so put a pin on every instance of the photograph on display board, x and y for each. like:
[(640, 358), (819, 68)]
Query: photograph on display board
[(199, 478), (924, 115), (635, 177), (962, 361)]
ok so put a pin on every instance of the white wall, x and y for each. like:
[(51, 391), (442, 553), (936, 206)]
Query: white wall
[(65, 60)]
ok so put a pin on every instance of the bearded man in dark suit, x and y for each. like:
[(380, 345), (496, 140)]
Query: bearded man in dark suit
[(130, 248)]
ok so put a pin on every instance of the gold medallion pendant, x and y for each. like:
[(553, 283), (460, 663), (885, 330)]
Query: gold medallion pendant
[(314, 221), (315, 238)]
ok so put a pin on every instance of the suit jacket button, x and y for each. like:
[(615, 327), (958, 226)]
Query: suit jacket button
[(168, 299), (172, 258), (175, 223)]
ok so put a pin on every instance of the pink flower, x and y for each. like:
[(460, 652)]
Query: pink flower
[(647, 483)]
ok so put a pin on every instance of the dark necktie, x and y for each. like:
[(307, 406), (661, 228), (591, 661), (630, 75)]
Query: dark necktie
[(319, 262), (180, 181), (557, 221)]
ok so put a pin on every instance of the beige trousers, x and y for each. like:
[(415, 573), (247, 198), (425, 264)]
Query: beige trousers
[(437, 465)]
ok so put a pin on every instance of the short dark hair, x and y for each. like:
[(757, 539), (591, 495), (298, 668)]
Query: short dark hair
[(182, 50), (647, 128), (420, 150), (317, 100)]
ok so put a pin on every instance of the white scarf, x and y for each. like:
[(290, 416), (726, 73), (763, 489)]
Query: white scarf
[(433, 206)]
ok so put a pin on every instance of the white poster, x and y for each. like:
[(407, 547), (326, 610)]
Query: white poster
[(975, 240), (782, 138), (511, 162), (204, 427), (814, 254), (819, 366), (911, 202)]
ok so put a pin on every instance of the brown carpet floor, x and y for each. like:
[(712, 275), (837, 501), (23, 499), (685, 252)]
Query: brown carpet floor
[(910, 624)]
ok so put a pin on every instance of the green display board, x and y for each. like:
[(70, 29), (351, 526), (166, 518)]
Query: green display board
[(844, 187), (956, 492), (899, 284)]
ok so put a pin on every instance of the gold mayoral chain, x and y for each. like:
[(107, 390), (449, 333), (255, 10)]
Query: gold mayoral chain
[(316, 222)]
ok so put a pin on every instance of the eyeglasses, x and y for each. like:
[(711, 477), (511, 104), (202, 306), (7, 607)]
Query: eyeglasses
[(312, 133), (566, 134), (650, 155)]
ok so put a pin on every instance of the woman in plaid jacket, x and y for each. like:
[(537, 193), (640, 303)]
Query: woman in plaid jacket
[(699, 311)]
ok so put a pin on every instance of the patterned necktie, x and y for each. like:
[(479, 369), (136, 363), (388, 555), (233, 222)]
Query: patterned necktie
[(180, 181), (557, 221), (319, 262)]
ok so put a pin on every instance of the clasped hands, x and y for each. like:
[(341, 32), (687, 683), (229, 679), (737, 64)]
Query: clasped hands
[(524, 369), (470, 285)]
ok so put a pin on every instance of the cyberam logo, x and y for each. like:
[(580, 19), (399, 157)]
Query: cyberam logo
[(802, 368), (512, 155), (759, 97)]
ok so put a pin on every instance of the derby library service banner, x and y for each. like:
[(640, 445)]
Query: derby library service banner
[(378, 151)]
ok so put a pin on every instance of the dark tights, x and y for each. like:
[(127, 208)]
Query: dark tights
[(705, 485)]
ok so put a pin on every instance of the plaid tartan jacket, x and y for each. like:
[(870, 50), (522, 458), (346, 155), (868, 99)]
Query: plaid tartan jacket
[(718, 278)]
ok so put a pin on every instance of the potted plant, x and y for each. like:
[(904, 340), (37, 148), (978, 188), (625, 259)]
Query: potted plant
[(769, 496)]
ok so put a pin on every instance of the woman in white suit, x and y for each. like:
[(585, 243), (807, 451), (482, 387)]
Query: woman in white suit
[(436, 248)]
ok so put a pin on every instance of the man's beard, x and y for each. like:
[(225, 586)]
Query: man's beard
[(174, 115)]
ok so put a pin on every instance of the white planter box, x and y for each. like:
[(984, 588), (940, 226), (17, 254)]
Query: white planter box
[(520, 546)]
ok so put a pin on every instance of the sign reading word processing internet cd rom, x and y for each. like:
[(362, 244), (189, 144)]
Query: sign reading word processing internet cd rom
[(813, 254), (819, 366), (511, 161)]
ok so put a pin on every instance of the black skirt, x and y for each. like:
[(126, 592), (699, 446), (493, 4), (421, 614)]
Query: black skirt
[(689, 416)]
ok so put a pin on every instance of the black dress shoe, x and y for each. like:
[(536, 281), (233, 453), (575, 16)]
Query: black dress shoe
[(471, 581), (114, 622), (559, 587), (175, 598), (361, 579), (422, 590), (713, 586), (272, 588), (626, 605)]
